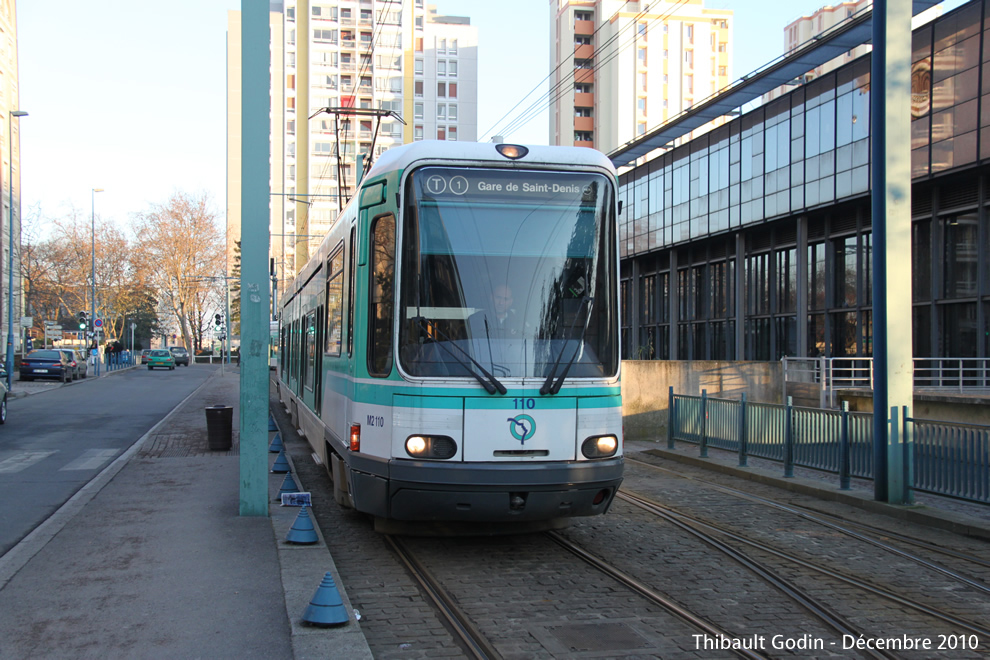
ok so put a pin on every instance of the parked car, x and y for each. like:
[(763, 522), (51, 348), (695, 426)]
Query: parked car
[(80, 369), (160, 358), (144, 355), (180, 354), (46, 364)]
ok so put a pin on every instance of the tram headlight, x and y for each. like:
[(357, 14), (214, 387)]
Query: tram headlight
[(600, 446), (512, 151), (430, 446)]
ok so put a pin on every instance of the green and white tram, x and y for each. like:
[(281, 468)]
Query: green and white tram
[(452, 351)]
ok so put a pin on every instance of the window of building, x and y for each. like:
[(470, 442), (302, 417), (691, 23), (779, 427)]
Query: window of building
[(419, 22), (419, 44), (345, 13), (417, 132), (582, 112), (325, 36), (442, 46), (452, 50), (452, 69), (452, 133), (641, 30), (452, 90), (365, 15), (441, 67), (417, 110), (366, 38), (583, 88), (722, 47), (452, 112), (641, 128), (583, 136), (689, 33), (642, 81), (418, 88), (418, 67), (441, 133), (584, 16), (689, 84), (584, 64), (641, 56), (641, 105), (723, 71), (582, 40), (689, 58), (442, 90), (441, 111)]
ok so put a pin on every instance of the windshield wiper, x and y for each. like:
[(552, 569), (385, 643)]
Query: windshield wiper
[(549, 386), (491, 385)]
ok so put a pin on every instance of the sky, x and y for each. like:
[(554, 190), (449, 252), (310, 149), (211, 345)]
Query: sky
[(129, 95)]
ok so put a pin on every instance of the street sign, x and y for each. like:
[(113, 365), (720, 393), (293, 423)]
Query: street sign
[(27, 321), (56, 328), (97, 323)]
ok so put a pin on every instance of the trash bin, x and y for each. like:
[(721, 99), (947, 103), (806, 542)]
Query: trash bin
[(219, 427)]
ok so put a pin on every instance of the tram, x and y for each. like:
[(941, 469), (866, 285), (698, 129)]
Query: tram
[(451, 351)]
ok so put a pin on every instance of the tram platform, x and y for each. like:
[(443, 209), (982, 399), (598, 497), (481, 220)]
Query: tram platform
[(152, 559)]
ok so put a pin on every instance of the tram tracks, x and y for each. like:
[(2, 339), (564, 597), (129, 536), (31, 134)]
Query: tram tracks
[(704, 531), (859, 531)]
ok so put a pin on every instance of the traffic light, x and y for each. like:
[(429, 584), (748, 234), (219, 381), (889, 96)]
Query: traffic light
[(218, 319), (83, 320)]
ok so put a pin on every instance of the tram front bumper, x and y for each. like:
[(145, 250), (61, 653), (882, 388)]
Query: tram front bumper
[(426, 490)]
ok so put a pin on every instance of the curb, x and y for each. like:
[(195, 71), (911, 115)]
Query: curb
[(303, 567)]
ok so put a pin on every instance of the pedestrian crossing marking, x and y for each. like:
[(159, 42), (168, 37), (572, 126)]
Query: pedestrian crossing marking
[(24, 459), (91, 459)]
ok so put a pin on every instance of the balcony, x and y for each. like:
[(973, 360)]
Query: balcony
[(584, 27), (584, 75), (584, 100), (584, 52), (584, 123)]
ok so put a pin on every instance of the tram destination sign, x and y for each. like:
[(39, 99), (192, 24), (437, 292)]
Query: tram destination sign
[(449, 184)]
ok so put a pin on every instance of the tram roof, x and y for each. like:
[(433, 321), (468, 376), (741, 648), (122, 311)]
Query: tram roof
[(400, 158), (823, 48)]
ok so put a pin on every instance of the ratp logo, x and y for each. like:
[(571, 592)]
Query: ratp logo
[(522, 427)]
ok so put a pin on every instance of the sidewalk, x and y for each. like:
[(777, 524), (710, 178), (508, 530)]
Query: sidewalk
[(152, 559)]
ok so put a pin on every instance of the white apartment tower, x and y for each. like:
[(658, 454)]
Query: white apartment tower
[(622, 68), (329, 56)]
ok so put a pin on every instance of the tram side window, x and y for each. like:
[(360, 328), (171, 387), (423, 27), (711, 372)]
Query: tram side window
[(350, 295), (310, 339), (335, 302), (382, 293)]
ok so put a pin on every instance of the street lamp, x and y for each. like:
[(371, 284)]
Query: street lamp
[(10, 260), (92, 302)]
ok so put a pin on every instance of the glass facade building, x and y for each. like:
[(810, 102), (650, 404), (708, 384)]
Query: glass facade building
[(753, 241)]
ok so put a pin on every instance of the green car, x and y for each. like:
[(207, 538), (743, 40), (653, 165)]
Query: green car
[(159, 358)]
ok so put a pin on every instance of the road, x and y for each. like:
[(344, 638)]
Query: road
[(56, 441)]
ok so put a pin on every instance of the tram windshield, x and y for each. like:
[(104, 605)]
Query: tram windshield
[(508, 274)]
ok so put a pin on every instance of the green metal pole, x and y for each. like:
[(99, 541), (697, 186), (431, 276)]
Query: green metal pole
[(890, 128), (255, 189)]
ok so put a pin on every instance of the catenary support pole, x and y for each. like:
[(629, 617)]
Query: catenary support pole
[(890, 162), (255, 189)]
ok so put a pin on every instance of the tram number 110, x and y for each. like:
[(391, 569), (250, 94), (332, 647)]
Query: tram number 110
[(524, 404)]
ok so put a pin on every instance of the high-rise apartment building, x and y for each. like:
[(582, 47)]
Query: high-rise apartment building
[(621, 68), (328, 57), (10, 147)]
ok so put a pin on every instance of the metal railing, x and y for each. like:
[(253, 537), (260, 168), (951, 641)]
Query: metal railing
[(946, 458), (828, 375)]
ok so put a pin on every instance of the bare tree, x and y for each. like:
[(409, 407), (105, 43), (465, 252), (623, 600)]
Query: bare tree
[(181, 246)]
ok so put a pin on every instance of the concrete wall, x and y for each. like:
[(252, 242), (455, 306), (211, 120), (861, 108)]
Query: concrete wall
[(941, 406), (646, 383)]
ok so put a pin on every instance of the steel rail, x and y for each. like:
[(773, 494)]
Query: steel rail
[(464, 629), (644, 590), (844, 525), (692, 522)]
